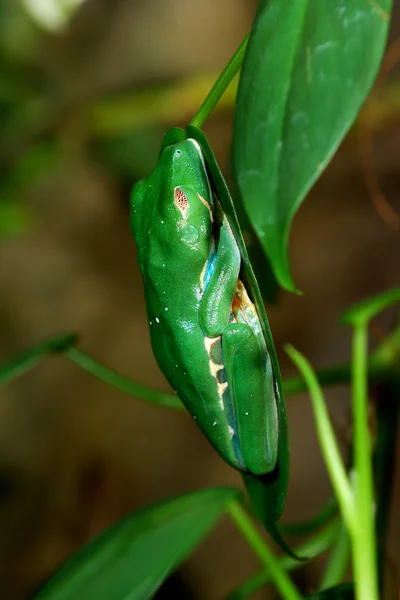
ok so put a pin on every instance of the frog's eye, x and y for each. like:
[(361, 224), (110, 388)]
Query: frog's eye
[(181, 200)]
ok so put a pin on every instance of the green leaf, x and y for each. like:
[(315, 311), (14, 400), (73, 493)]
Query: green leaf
[(29, 358), (266, 495), (307, 69), (344, 591), (268, 492), (362, 312), (132, 559)]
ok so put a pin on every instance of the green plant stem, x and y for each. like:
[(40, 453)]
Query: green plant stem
[(220, 85), (313, 547), (382, 362), (364, 546), (339, 560), (327, 440), (120, 382), (281, 580), (28, 359)]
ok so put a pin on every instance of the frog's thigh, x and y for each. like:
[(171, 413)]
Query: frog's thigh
[(216, 303), (251, 387)]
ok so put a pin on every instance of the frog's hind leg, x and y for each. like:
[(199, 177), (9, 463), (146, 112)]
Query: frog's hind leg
[(251, 389)]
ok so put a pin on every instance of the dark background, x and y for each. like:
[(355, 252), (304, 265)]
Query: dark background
[(83, 113)]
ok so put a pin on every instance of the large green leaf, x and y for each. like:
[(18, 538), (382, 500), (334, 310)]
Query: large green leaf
[(307, 69), (132, 559)]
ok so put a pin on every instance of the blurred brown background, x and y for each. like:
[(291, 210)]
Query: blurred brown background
[(84, 108)]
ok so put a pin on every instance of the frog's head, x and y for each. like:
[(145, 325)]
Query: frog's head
[(176, 198)]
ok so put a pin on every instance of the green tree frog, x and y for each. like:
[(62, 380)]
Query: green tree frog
[(205, 331)]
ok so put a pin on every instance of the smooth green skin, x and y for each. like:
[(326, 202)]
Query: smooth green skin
[(215, 356)]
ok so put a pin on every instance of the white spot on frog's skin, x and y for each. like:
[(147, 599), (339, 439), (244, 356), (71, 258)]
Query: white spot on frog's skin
[(157, 320), (231, 431), (166, 308), (214, 424), (162, 222), (150, 322), (246, 414), (163, 264)]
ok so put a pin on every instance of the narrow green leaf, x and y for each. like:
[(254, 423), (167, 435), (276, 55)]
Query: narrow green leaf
[(362, 312), (307, 69), (339, 560), (267, 493), (132, 559), (29, 358)]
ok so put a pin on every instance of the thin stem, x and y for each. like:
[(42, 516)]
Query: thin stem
[(365, 563), (220, 85), (327, 440), (313, 547), (339, 560), (381, 362), (25, 361), (382, 365), (122, 383), (281, 580)]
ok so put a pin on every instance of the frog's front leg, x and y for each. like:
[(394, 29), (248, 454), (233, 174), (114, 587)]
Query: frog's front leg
[(252, 395), (216, 303)]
